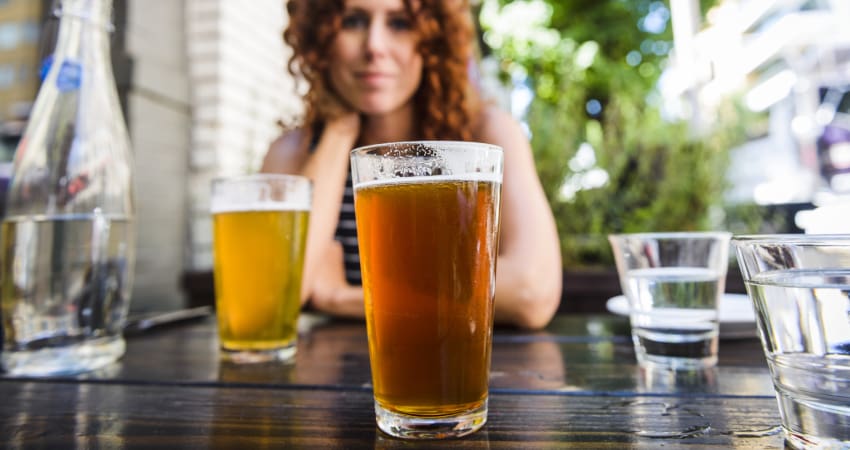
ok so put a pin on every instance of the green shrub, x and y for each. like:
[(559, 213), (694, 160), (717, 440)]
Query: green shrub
[(623, 168)]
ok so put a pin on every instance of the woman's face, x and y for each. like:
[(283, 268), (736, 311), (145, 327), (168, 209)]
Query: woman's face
[(375, 67)]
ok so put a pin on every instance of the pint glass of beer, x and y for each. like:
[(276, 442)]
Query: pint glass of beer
[(259, 234), (428, 229)]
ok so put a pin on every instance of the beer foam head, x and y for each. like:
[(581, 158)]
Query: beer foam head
[(261, 192), (224, 206), (426, 161), (486, 177)]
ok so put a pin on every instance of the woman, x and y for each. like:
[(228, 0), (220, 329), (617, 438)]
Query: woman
[(397, 70)]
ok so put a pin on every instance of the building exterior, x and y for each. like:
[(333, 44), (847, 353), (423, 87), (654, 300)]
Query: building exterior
[(208, 88), (240, 89), (158, 113), (780, 56), (23, 30), (203, 85)]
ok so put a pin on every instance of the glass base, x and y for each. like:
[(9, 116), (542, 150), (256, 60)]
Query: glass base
[(675, 348), (813, 424), (284, 354), (81, 357), (807, 442), (674, 362), (417, 427)]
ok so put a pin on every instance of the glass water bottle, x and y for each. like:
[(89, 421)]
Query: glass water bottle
[(67, 238)]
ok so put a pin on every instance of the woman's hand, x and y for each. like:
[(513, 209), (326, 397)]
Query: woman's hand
[(324, 160), (327, 168), (340, 119), (345, 126), (331, 292)]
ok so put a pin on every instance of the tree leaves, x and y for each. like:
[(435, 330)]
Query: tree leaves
[(660, 176)]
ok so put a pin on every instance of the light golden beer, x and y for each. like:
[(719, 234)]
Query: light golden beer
[(258, 264), (428, 250), (259, 235)]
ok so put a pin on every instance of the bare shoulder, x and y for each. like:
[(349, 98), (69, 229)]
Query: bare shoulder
[(497, 126), (288, 152)]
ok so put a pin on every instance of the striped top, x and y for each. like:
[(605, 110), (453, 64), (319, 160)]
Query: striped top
[(346, 234)]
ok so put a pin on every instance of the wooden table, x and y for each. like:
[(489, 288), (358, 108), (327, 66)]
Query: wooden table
[(575, 385)]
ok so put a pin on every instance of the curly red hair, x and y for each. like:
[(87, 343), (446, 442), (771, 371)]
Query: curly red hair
[(446, 104)]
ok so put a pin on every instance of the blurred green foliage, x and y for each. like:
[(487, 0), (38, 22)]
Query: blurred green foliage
[(609, 162)]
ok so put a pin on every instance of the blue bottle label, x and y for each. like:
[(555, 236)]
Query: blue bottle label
[(69, 76)]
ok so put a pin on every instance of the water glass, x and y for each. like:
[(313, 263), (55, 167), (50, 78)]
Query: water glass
[(428, 225), (259, 235), (800, 289), (673, 282)]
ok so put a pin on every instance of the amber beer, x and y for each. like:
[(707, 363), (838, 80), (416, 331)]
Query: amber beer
[(428, 255), (258, 250)]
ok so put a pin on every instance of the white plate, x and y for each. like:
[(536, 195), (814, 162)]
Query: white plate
[(737, 319)]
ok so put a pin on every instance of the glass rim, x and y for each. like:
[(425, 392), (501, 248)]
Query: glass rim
[(446, 144), (792, 239), (672, 235), (261, 177)]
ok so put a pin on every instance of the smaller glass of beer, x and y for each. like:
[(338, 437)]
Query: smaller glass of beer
[(428, 229), (259, 234)]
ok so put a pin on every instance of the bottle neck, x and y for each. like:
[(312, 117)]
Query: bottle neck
[(84, 28), (94, 12)]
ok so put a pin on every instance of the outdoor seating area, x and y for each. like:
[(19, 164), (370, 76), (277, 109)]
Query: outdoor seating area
[(579, 224)]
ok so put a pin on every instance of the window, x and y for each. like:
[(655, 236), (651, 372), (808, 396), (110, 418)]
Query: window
[(13, 34), (7, 75), (8, 35), (29, 31)]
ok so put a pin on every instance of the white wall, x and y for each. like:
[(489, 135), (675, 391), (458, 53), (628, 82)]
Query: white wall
[(159, 118), (239, 89), (209, 84)]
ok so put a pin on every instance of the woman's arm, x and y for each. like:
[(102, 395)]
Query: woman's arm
[(528, 283), (326, 166), (529, 273)]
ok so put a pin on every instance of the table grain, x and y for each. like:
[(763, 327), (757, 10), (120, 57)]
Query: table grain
[(573, 385)]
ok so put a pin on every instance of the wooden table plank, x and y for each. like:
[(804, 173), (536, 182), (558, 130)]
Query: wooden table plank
[(101, 414), (588, 354), (574, 385)]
